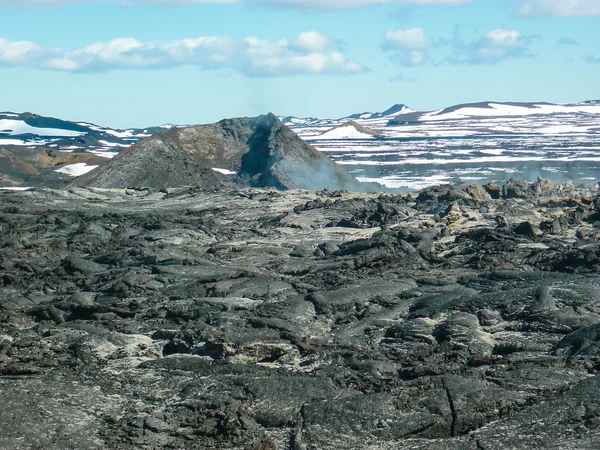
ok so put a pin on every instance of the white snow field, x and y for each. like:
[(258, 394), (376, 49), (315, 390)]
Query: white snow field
[(16, 127)]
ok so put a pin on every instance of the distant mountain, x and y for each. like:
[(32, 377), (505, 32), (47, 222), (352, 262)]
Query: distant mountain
[(469, 119), (32, 130), (45, 151), (369, 118), (394, 110), (496, 109)]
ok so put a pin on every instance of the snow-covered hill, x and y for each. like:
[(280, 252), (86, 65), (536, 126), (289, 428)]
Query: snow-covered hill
[(308, 127), (465, 143), (491, 109), (34, 131), (461, 120)]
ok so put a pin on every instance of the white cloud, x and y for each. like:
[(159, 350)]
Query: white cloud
[(560, 8), (19, 52), (307, 4), (313, 41), (264, 58), (495, 46), (306, 55), (408, 47), (503, 37), (412, 39)]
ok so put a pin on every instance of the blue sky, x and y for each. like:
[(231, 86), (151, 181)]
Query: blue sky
[(143, 62)]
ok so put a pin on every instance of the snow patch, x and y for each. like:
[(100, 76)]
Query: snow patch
[(345, 132), (17, 127), (15, 188), (114, 144), (104, 153), (224, 171), (395, 182), (76, 170)]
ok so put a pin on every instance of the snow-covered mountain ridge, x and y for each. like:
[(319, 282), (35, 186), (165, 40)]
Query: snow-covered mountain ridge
[(400, 146), (35, 131), (465, 119)]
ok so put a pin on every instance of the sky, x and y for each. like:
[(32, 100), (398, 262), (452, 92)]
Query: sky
[(126, 63)]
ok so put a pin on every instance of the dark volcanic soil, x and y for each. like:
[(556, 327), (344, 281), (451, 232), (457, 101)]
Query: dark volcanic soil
[(259, 319)]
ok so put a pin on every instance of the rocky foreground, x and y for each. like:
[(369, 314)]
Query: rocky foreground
[(259, 319)]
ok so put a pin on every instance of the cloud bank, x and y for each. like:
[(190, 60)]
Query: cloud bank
[(411, 48), (495, 46), (311, 53)]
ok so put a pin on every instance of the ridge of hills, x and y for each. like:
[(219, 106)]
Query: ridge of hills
[(28, 137), (35, 131)]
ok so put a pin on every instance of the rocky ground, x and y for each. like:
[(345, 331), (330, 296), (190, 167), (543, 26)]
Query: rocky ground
[(259, 319)]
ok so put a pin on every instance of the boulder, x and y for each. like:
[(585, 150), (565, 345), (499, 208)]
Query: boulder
[(478, 193), (583, 342), (494, 190), (516, 189)]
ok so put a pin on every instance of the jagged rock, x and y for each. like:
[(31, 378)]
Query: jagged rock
[(478, 193), (555, 226), (583, 342), (543, 187), (462, 329), (494, 190), (445, 193), (516, 189)]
